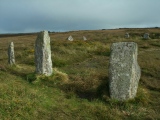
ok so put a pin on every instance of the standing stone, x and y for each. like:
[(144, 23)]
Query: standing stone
[(43, 60), (127, 35), (124, 71), (146, 36), (11, 57), (70, 38), (84, 38)]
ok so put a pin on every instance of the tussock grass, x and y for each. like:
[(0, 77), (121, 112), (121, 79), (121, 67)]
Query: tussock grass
[(78, 87)]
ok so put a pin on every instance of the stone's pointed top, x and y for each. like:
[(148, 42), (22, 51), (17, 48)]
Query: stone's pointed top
[(11, 44), (44, 31), (84, 38), (70, 38), (43, 36), (127, 34)]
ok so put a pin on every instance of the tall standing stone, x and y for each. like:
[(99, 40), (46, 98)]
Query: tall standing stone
[(43, 60), (146, 36), (124, 71), (11, 57)]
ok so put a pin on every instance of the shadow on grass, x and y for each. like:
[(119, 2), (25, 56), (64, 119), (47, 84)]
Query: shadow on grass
[(150, 86), (99, 92), (18, 71), (146, 81)]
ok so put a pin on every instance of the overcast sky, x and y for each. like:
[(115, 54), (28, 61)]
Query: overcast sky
[(18, 16)]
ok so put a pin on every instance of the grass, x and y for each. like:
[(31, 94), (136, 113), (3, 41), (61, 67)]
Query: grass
[(78, 88)]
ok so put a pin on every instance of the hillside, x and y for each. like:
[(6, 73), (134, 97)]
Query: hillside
[(78, 88)]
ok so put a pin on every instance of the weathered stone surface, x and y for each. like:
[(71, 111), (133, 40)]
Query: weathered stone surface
[(11, 57), (124, 71), (84, 38), (43, 60), (70, 38), (146, 36), (127, 35)]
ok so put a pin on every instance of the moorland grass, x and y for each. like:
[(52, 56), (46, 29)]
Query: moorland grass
[(78, 88)]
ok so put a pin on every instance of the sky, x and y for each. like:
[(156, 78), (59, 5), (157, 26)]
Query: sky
[(22, 16)]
